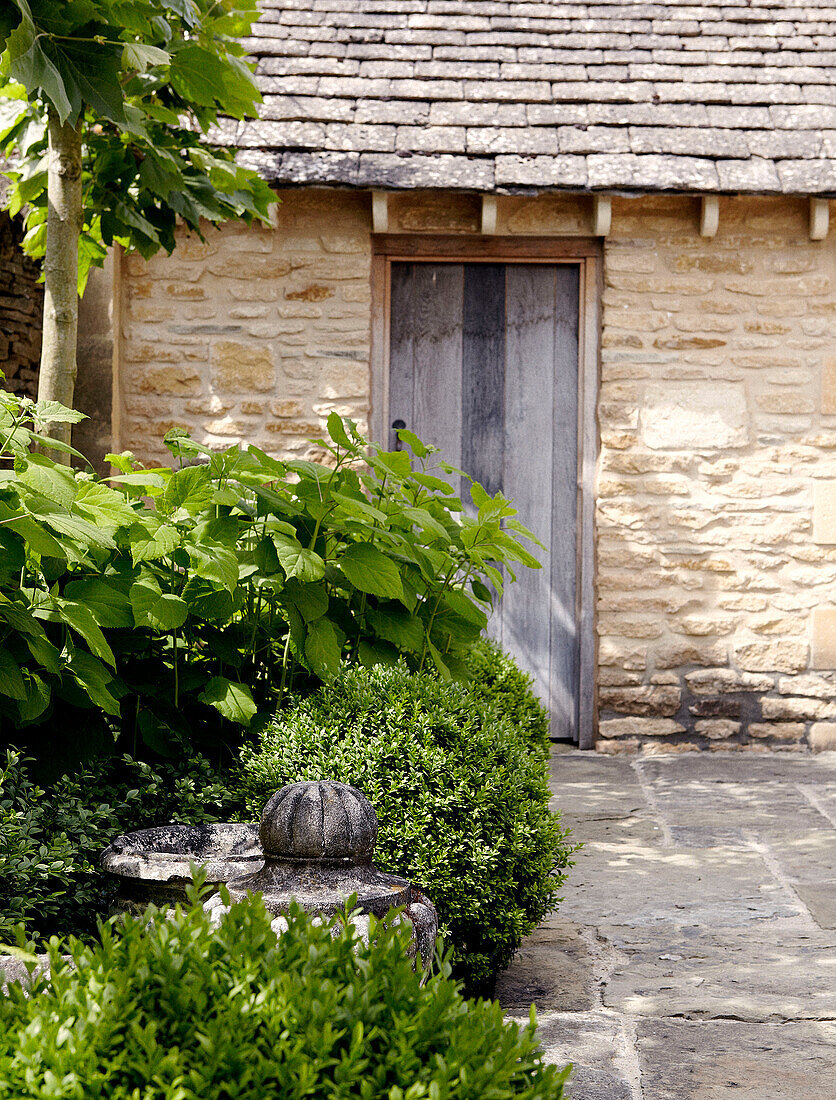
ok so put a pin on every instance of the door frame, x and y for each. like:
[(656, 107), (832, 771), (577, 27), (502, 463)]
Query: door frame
[(587, 253)]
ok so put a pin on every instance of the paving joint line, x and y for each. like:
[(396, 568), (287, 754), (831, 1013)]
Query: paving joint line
[(650, 798), (774, 867), (814, 800)]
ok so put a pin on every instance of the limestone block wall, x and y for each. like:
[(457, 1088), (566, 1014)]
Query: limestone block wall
[(716, 521), (21, 311), (254, 335)]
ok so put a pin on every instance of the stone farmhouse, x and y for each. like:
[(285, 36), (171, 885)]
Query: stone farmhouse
[(584, 248)]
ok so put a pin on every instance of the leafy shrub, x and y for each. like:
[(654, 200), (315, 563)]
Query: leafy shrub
[(497, 676), (50, 840), (461, 799), (176, 620), (195, 1012)]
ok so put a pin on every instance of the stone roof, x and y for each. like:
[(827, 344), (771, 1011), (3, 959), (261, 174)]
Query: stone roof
[(513, 95)]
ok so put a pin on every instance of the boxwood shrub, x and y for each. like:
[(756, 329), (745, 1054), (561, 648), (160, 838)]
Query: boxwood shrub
[(500, 679), (461, 798), (177, 1010), (51, 836)]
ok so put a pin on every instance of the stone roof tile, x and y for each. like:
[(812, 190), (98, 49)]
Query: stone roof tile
[(729, 95)]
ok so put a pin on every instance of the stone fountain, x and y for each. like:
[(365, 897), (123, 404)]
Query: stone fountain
[(314, 846)]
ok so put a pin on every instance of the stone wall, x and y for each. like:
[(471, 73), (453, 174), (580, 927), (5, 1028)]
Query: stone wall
[(716, 525), (21, 311), (255, 335)]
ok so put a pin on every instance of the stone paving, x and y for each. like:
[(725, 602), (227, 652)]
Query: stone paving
[(694, 954)]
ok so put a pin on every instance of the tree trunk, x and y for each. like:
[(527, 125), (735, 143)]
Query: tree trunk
[(63, 228)]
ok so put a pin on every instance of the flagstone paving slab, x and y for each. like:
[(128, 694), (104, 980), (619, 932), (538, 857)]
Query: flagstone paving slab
[(694, 954), (713, 1061)]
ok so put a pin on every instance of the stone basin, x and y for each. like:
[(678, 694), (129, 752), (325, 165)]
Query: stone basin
[(155, 865)]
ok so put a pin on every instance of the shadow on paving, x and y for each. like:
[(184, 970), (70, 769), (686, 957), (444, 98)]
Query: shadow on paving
[(694, 954)]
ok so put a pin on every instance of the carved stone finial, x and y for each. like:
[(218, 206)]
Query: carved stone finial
[(318, 820), (318, 838)]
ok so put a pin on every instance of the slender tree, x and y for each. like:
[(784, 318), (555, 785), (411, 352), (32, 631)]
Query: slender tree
[(112, 116)]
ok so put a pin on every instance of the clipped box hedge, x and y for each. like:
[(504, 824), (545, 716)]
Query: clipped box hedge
[(461, 798), (178, 1010)]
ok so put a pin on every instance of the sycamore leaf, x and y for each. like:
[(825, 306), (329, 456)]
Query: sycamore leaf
[(27, 63), (136, 55), (230, 699)]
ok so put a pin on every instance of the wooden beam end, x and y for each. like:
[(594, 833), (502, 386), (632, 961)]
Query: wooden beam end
[(819, 218), (709, 215), (488, 223), (380, 212), (601, 215)]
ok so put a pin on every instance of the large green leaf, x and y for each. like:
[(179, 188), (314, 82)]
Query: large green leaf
[(38, 696), (322, 648), (234, 701), (28, 64), (44, 653), (188, 489), (370, 654), (156, 609), (78, 529), (106, 599), (80, 618), (11, 680), (12, 553), (95, 680), (152, 539), (398, 627), (297, 560), (215, 562), (310, 599), (371, 571), (53, 412), (49, 480), (20, 618), (208, 602), (103, 506)]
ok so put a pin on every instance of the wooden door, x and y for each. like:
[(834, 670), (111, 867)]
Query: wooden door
[(483, 363)]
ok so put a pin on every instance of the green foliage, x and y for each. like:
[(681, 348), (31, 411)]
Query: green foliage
[(462, 799), (497, 676), (146, 82), (50, 839), (178, 1009), (179, 603)]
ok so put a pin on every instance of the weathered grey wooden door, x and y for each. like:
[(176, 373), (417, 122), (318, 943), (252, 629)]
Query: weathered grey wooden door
[(484, 364)]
